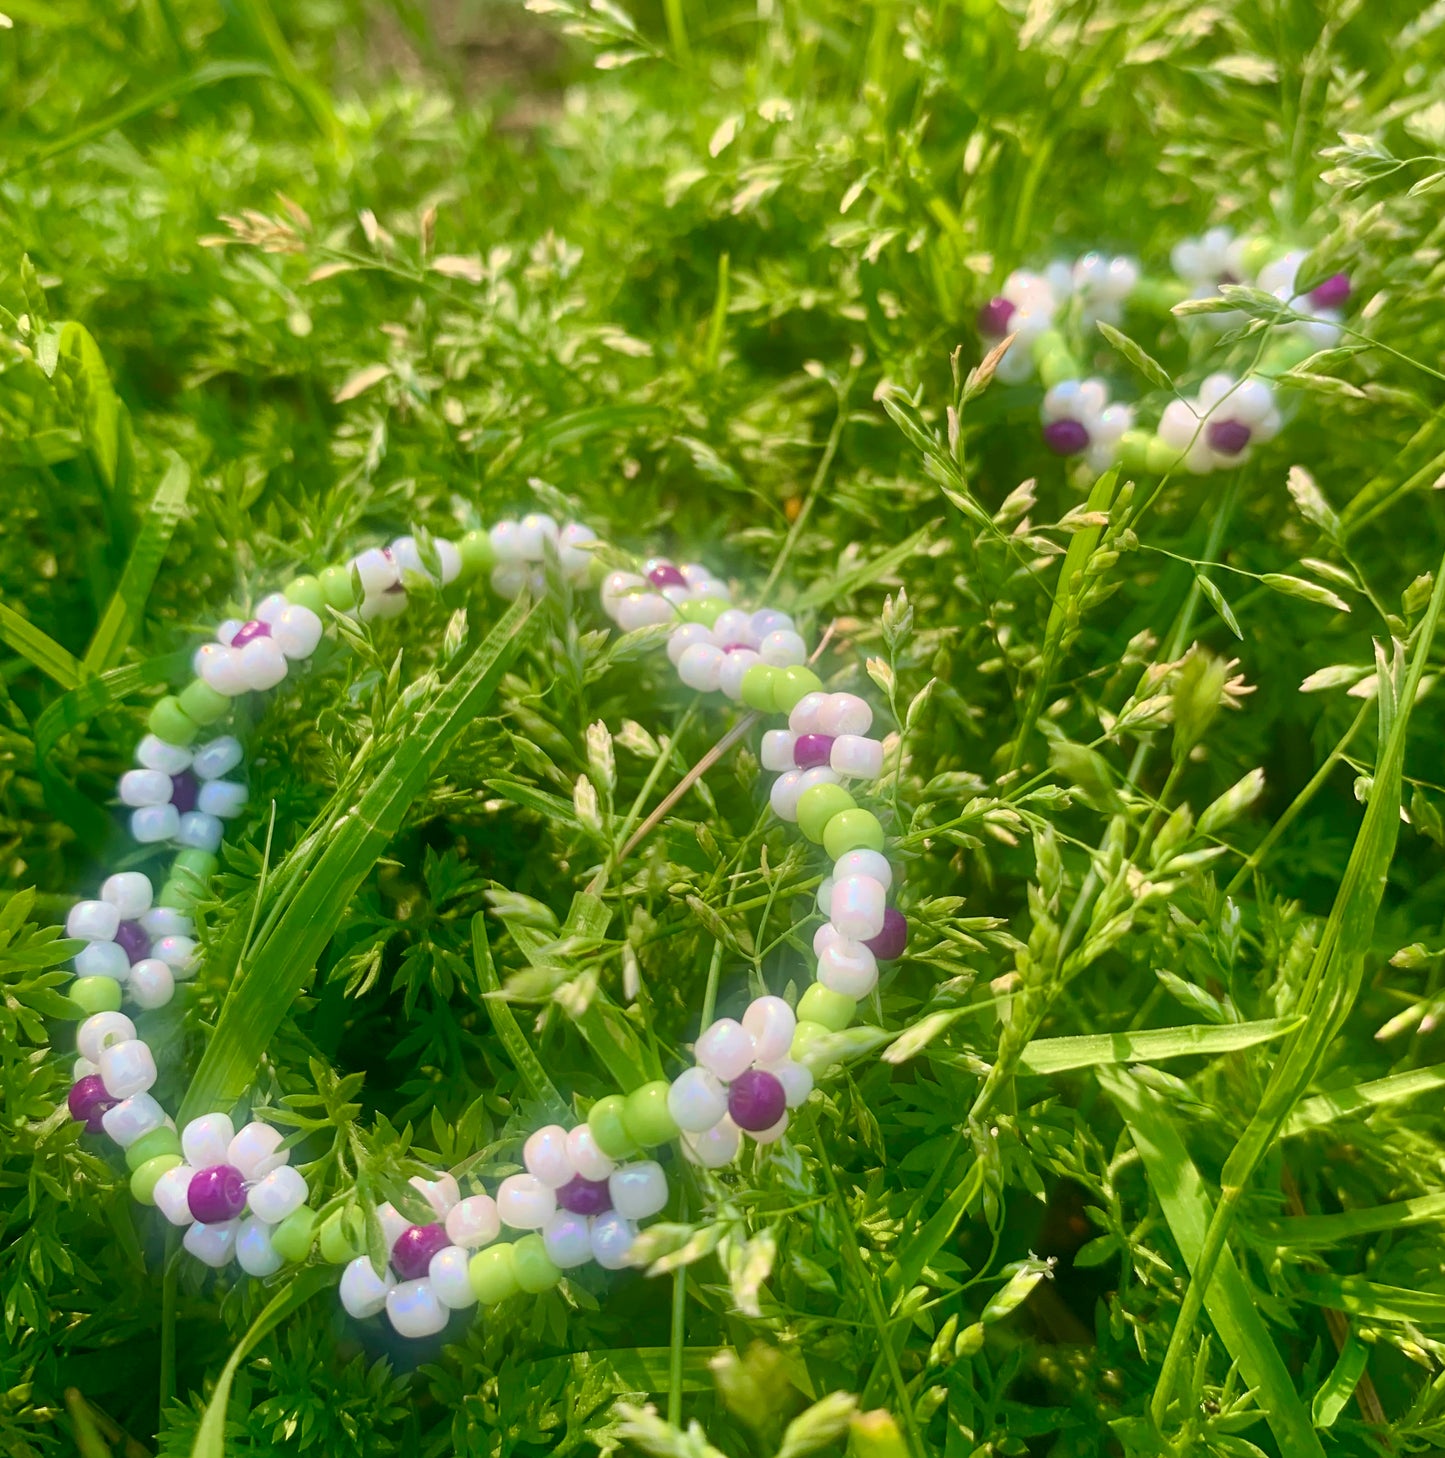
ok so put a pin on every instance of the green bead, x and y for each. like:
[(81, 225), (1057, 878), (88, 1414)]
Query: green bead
[(1257, 252), (150, 1146), (852, 830), (757, 688), (306, 592), (806, 1037), (1161, 458), (607, 1119), (143, 1181), (704, 610), (817, 806), (647, 1116), (195, 862), (95, 994), (534, 1268), (1056, 366), (1134, 450), (493, 1274), (793, 684), (477, 554), (168, 721), (829, 1009), (336, 588), (342, 1236), (202, 703), (179, 894), (293, 1237)]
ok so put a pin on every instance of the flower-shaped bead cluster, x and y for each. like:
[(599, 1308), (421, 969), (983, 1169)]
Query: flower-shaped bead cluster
[(1205, 263), (144, 948), (180, 794), (1324, 303), (520, 548), (661, 594), (826, 741), (1080, 421), (1217, 428), (254, 655)]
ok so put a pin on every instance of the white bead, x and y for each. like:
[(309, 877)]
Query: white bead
[(714, 1147), (545, 1155), (441, 1194), (568, 1239), (824, 897), (796, 1079), (506, 540), (771, 1134), (178, 953), (220, 668), (771, 1022), (151, 983), (683, 638), (587, 1159), (154, 753), (807, 714), (777, 752), (256, 1151), (363, 1292), (783, 647), (407, 556), (473, 1222), (694, 573), (449, 1278), (769, 620), (388, 604), (449, 559), (846, 966), (734, 666), (263, 664), (734, 626), (616, 586), (103, 959), (643, 610), (171, 1194), (865, 863), (199, 831), (276, 1195), (82, 1068), (638, 1190), (166, 921), (700, 667), (127, 1068), (129, 892), (254, 1252), (612, 1237), (222, 799), (132, 1117), (537, 528), (155, 823), (144, 787), (570, 548), (509, 579), (100, 1031), (227, 629), (709, 587), (297, 631), (205, 1141), (726, 1049), (213, 1245), (392, 1223), (271, 607), (845, 714), (524, 1202), (414, 1309), (783, 796), (856, 757), (216, 758), (377, 570), (820, 774), (696, 1101), (95, 921), (858, 906)]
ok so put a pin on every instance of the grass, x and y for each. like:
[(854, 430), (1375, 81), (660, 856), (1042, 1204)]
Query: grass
[(1139, 1150)]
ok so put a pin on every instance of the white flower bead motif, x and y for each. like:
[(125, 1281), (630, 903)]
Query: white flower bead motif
[(1206, 263), (1080, 421), (1102, 284), (1324, 303), (1024, 307), (1218, 428)]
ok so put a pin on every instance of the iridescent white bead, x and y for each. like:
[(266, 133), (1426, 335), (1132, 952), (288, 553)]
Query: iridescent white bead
[(571, 542), (441, 1194), (151, 983), (587, 1159), (771, 1023), (100, 1031), (770, 620), (95, 921), (276, 1195), (782, 648), (377, 570), (227, 630), (263, 664), (154, 824), (213, 1245), (725, 1049), (524, 1202), (510, 579), (297, 631), (449, 1278), (694, 572), (127, 1068), (845, 714), (844, 966), (642, 610), (144, 787), (700, 667), (363, 1292), (206, 1140), (199, 831), (824, 897), (696, 1101), (806, 716), (132, 1117), (407, 555), (714, 1147), (858, 906), (103, 959), (506, 540), (772, 1134), (178, 953), (734, 626), (568, 1239), (222, 799), (856, 757), (612, 1237), (676, 595), (392, 1223), (220, 668), (271, 607), (535, 530), (154, 753), (683, 638), (129, 892), (254, 1252), (82, 1068), (545, 1155), (638, 1190), (218, 757), (171, 1194), (796, 1079), (783, 796), (256, 1151), (449, 559), (777, 751), (865, 863), (166, 921), (820, 774), (734, 667), (616, 586), (473, 1222)]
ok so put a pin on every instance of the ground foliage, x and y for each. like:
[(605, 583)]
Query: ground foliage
[(285, 280)]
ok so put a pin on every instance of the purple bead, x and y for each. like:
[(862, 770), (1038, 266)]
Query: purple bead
[(414, 1248), (1228, 437), (888, 945), (131, 938), (756, 1100), (216, 1194), (585, 1197), (994, 316), (185, 791), (739, 648), (666, 575), (1332, 293), (811, 750), (249, 632), (1066, 437), (88, 1100)]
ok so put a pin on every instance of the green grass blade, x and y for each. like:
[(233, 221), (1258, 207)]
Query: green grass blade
[(40, 649), (1324, 1109), (278, 967), (1321, 1230), (1359, 1297), (1058, 1055)]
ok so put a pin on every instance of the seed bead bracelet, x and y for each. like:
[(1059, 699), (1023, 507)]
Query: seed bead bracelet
[(1050, 313), (584, 1189)]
